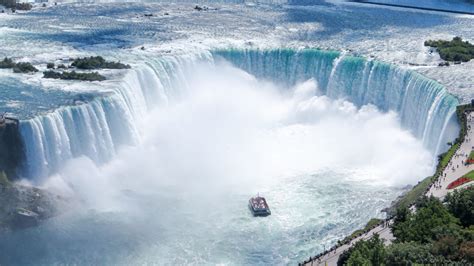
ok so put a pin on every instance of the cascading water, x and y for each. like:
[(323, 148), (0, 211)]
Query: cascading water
[(95, 129), (92, 129), (217, 136), (424, 106)]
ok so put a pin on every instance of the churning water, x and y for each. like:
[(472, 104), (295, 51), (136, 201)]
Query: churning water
[(176, 187)]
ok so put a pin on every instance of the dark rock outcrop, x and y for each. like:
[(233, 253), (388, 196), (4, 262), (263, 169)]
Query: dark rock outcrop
[(24, 206), (11, 148)]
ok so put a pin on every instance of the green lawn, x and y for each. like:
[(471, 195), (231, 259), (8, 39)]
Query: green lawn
[(448, 155), (469, 175), (371, 224), (411, 196)]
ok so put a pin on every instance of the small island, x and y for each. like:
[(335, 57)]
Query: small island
[(97, 62), (456, 50), (86, 63), (22, 67), (25, 206), (73, 75)]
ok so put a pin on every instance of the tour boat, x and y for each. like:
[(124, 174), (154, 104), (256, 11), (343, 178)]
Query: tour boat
[(259, 207)]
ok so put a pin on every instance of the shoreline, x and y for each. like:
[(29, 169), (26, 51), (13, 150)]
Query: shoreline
[(407, 199), (413, 7)]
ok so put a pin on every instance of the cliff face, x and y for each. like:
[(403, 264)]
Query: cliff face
[(11, 148), (23, 206)]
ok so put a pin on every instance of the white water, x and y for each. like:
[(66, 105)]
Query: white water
[(178, 194), (179, 197), (424, 106)]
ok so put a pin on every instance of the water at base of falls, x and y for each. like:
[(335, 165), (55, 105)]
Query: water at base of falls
[(308, 212), (325, 166)]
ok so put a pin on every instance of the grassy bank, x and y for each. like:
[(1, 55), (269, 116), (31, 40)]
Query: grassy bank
[(374, 222)]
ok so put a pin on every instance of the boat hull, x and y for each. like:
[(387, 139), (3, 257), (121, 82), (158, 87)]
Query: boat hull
[(259, 212)]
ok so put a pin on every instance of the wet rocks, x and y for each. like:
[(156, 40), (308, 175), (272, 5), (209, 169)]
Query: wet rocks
[(24, 206)]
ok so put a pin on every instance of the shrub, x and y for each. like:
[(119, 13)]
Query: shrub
[(73, 75), (50, 65), (447, 246), (7, 63), (425, 225), (51, 75), (461, 205), (409, 253), (466, 251), (23, 6), (17, 67), (455, 50), (364, 252), (97, 62), (24, 68)]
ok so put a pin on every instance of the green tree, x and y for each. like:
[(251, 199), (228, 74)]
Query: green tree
[(448, 247), (364, 252), (461, 205), (358, 259), (409, 253), (466, 251), (430, 221)]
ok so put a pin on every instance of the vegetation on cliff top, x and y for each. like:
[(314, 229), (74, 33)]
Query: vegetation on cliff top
[(455, 50)]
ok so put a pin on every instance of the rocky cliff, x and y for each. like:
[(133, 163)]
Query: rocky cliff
[(11, 148)]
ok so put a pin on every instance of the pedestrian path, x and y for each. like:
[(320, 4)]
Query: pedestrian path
[(456, 167)]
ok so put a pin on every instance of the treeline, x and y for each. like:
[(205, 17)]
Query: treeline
[(440, 233), (454, 50)]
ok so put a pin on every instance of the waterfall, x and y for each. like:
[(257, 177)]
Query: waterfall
[(97, 128), (424, 106), (91, 129)]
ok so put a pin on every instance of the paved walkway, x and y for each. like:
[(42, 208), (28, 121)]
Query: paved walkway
[(332, 257), (455, 169)]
